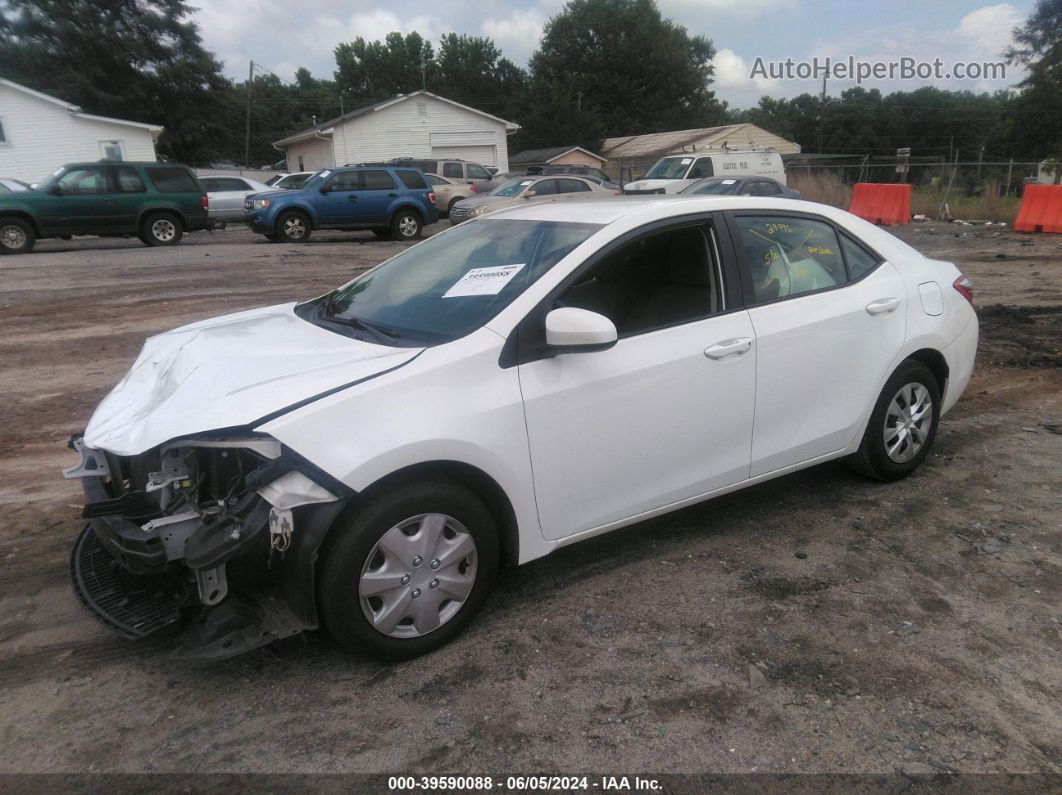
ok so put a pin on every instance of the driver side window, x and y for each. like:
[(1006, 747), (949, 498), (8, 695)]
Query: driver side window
[(659, 280), (702, 168), (83, 182)]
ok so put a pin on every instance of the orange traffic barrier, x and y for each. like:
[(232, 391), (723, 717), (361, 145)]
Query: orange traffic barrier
[(881, 203), (1041, 209)]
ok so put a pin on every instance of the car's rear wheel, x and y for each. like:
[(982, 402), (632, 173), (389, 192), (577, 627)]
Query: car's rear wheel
[(408, 571), (161, 229), (902, 426), (406, 225), (16, 236), (293, 227)]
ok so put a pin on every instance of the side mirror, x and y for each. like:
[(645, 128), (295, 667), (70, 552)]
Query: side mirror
[(529, 194), (55, 190), (326, 189), (579, 330)]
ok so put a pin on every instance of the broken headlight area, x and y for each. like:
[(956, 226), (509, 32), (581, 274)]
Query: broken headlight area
[(197, 534)]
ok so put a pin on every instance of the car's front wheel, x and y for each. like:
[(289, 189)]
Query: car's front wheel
[(16, 236), (161, 229), (409, 570), (406, 225), (902, 426), (293, 227)]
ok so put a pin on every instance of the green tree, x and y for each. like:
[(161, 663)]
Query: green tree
[(369, 71), (471, 70), (1035, 128), (617, 67), (135, 59)]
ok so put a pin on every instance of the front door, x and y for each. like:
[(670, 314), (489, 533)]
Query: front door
[(829, 318), (79, 202), (662, 416)]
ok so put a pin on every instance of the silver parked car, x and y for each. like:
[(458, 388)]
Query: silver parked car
[(527, 190), (226, 195)]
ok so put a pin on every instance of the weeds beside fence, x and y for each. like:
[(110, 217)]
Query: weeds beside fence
[(925, 199)]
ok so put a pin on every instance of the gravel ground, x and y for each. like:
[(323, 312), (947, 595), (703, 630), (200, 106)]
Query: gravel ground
[(815, 623)]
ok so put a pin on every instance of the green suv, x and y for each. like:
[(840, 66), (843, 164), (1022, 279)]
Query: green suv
[(158, 202)]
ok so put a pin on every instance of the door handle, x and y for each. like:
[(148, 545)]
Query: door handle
[(352, 197), (883, 306), (720, 350), (392, 195)]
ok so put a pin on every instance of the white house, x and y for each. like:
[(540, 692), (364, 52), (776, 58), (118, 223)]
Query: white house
[(419, 125), (39, 133)]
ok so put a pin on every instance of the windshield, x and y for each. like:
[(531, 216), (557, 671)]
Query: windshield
[(317, 180), (511, 188), (714, 185), (451, 284), (670, 168)]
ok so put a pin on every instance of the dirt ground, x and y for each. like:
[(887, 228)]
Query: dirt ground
[(816, 623)]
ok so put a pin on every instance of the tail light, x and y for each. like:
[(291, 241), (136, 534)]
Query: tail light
[(431, 196), (204, 202), (473, 188), (964, 286)]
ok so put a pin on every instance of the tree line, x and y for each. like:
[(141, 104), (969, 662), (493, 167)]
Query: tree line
[(603, 68)]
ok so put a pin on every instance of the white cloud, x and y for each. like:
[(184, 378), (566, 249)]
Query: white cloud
[(990, 28), (517, 35)]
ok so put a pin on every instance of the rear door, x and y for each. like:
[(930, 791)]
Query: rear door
[(378, 192), (568, 188), (827, 334), (128, 192)]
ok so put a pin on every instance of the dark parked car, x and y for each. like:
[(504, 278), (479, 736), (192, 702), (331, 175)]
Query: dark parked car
[(740, 186), (389, 200), (158, 202)]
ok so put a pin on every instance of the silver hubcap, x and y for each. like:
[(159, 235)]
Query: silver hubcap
[(164, 230), (908, 422), (418, 575), (407, 226), (12, 236), (294, 228)]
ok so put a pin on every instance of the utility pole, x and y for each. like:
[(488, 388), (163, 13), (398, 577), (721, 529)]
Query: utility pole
[(579, 102), (980, 157), (1010, 170), (423, 79), (247, 133)]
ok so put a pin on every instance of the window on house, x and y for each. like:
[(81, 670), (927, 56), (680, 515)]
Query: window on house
[(112, 150)]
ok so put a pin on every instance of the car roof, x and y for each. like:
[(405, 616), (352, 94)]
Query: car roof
[(634, 210)]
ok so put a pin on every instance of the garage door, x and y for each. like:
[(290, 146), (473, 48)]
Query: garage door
[(482, 154)]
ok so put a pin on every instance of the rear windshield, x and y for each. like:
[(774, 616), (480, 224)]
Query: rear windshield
[(412, 179), (172, 180)]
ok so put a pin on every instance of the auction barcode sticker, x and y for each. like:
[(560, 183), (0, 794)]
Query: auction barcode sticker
[(483, 281)]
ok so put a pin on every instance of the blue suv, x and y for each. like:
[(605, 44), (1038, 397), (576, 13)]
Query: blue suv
[(391, 201)]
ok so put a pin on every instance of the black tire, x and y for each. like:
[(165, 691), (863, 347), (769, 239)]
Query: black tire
[(872, 458), (161, 229), (382, 232), (16, 236), (406, 225), (356, 536), (293, 227)]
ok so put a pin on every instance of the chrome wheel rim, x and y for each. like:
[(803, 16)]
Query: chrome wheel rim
[(12, 236), (294, 228), (908, 421), (164, 230), (418, 575), (407, 226)]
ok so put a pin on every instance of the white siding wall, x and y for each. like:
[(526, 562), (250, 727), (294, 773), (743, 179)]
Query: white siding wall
[(42, 135), (405, 129), (316, 154)]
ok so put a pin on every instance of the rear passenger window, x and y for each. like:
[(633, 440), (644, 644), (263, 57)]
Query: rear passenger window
[(167, 179), (571, 186), (128, 180), (230, 183), (452, 170), (790, 256), (412, 179), (376, 180), (860, 261)]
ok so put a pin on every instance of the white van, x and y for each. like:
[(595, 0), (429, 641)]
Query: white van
[(674, 172)]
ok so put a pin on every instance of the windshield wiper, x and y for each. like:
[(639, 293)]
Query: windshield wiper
[(382, 333)]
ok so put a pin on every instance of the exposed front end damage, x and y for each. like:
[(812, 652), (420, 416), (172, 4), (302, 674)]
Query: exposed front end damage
[(214, 535)]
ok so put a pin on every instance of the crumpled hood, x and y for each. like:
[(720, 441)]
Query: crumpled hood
[(230, 371)]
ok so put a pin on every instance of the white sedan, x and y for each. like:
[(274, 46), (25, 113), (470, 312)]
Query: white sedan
[(510, 386)]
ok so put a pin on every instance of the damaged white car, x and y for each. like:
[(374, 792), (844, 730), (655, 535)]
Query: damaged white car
[(366, 461)]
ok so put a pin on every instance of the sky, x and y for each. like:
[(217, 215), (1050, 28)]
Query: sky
[(282, 36)]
